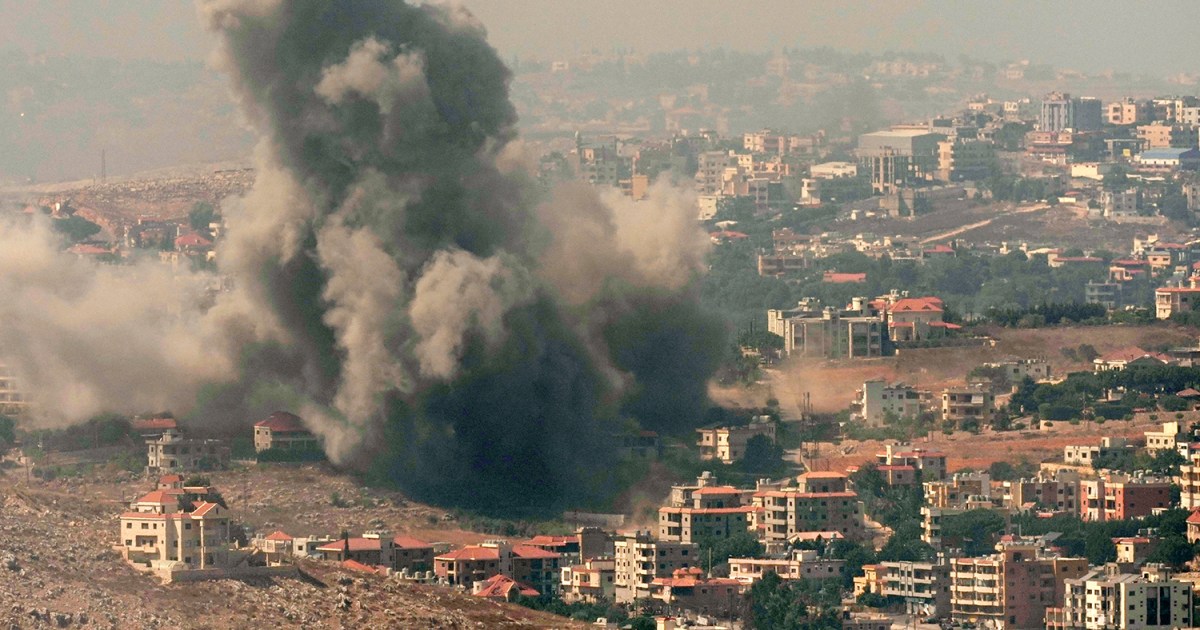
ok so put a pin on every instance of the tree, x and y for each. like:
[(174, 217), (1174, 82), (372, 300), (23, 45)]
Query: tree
[(201, 214), (975, 528), (1099, 547), (1173, 551), (762, 456), (76, 228), (8, 434)]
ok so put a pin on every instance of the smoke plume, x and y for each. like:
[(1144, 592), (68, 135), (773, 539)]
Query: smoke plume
[(398, 280)]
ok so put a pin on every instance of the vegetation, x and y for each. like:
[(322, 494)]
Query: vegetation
[(76, 228), (778, 604), (1093, 539)]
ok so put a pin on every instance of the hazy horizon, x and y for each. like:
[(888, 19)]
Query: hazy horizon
[(1078, 35)]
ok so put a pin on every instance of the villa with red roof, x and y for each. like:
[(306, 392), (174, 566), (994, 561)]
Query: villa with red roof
[(535, 567), (1125, 357), (912, 319), (170, 530), (503, 588), (691, 590), (284, 431), (400, 553)]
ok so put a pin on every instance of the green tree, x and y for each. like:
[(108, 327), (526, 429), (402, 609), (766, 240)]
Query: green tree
[(1099, 547), (201, 214), (763, 456), (76, 228)]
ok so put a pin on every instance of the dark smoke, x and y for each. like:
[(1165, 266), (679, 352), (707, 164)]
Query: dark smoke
[(402, 286)]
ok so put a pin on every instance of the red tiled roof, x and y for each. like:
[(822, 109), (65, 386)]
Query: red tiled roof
[(408, 542), (928, 304), (1176, 290), (822, 474), (278, 535), (843, 278), (499, 586), (355, 565), (1187, 393), (471, 553), (940, 249), (153, 424), (717, 490), (552, 541), (946, 325), (729, 510), (282, 421), (895, 467), (1131, 353), (203, 508), (170, 479), (1194, 517), (356, 543), (85, 249), (169, 496), (192, 240)]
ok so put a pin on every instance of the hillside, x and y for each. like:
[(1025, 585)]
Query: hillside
[(57, 566)]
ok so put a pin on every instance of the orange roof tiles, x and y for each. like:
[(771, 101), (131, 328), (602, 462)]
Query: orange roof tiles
[(278, 535), (500, 586), (282, 421), (408, 542), (355, 543)]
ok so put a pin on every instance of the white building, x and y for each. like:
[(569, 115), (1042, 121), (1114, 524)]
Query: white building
[(802, 564), (1106, 597), (833, 170), (1119, 204), (877, 399)]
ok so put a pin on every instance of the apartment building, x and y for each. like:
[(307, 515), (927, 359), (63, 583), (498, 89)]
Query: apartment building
[(1116, 596), (1119, 203), (711, 512), (1116, 496), (285, 432), (592, 581), (1013, 588), (728, 443), (1170, 301), (1085, 454), (877, 400), (1163, 135), (690, 589), (822, 502), (967, 404), (173, 453), (1189, 484), (924, 586), (813, 331), (535, 567), (799, 564), (1165, 440), (1057, 493), (639, 559), (175, 529), (899, 157), (379, 548), (957, 489), (13, 401), (932, 464)]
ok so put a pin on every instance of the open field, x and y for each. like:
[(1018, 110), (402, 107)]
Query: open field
[(56, 561), (831, 384)]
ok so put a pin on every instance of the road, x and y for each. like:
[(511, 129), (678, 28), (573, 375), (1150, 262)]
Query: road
[(978, 224)]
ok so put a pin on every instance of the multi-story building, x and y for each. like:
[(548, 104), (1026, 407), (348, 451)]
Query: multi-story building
[(924, 586), (176, 529), (1161, 135), (640, 559), (933, 517), (1106, 294), (913, 319), (1115, 497), (932, 464), (1057, 493), (1170, 301), (1013, 588), (284, 431), (379, 548), (1122, 203), (877, 400), (1085, 454), (728, 444), (712, 512), (956, 490), (710, 176), (1057, 113), (1127, 112), (833, 170), (812, 331), (897, 158), (1114, 596), (822, 502), (593, 581), (1165, 440), (965, 158), (800, 564), (172, 453), (1136, 550), (13, 402), (690, 589), (1189, 484), (967, 404), (598, 163), (529, 565)]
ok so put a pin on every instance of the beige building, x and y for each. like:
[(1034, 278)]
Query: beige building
[(821, 502), (640, 559), (593, 581), (712, 512), (528, 565), (1116, 596), (801, 564), (690, 589), (1013, 588), (284, 432), (963, 404), (172, 453), (1170, 301), (176, 530), (1189, 484), (924, 586), (13, 402), (728, 444)]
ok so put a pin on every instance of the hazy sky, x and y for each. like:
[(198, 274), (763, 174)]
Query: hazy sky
[(1088, 35)]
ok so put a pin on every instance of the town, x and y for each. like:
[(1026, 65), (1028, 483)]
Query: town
[(696, 339)]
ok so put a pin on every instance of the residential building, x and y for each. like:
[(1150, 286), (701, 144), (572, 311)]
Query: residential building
[(899, 157), (967, 404), (1056, 493), (1135, 549), (833, 170), (800, 564), (1127, 112), (372, 549), (1123, 203), (712, 512), (285, 432), (932, 464), (957, 489), (1164, 136), (821, 502), (690, 589), (1167, 160), (1170, 301), (592, 581), (932, 518), (924, 586), (728, 444), (1115, 596), (503, 588), (176, 530), (585, 543), (914, 319), (1125, 357), (1189, 484), (1058, 113), (640, 559), (877, 400), (1013, 588), (965, 158), (1115, 496), (13, 401), (1084, 455), (1193, 526), (172, 452), (535, 567), (1017, 370), (1106, 294), (1165, 440), (815, 331)]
